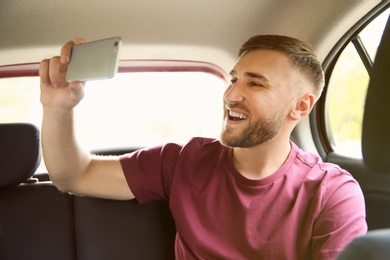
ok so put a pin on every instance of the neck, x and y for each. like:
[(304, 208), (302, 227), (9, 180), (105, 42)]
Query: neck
[(262, 160)]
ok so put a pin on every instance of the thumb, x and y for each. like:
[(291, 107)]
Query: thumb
[(76, 90)]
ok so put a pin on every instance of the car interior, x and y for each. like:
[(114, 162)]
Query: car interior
[(174, 64)]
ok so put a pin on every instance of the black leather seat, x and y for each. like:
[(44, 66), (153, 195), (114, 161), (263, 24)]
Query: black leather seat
[(108, 229), (36, 221), (39, 222)]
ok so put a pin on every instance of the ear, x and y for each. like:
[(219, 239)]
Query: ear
[(302, 107)]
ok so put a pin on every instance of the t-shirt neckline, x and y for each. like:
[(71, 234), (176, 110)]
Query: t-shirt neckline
[(267, 180)]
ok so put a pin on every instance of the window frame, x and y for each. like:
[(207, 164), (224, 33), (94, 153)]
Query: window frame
[(126, 66), (319, 118), (32, 69)]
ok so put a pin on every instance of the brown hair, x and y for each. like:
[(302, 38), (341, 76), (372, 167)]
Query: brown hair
[(302, 56)]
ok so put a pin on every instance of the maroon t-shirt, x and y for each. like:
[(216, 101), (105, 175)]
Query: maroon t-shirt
[(305, 210)]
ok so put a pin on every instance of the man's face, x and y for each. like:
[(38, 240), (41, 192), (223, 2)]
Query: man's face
[(258, 100)]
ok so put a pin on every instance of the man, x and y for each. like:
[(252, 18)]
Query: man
[(253, 194)]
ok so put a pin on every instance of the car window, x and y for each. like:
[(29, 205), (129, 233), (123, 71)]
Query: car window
[(347, 88), (134, 109)]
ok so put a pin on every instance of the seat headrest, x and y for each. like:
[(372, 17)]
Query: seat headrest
[(19, 153), (374, 246)]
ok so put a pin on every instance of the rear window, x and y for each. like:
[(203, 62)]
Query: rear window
[(134, 109)]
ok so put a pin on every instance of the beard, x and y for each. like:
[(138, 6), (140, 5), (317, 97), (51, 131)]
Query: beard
[(256, 133)]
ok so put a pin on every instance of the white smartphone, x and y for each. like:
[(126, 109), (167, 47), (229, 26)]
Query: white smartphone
[(94, 60)]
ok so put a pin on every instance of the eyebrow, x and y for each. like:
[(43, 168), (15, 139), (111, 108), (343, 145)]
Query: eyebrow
[(251, 75)]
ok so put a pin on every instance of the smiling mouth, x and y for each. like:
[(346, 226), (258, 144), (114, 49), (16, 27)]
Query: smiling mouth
[(235, 116)]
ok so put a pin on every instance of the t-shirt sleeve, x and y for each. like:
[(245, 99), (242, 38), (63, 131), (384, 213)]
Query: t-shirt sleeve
[(342, 216), (149, 172)]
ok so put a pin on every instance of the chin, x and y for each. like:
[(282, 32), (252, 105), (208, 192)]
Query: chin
[(230, 140)]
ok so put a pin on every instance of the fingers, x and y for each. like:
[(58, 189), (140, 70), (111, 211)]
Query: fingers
[(53, 72), (43, 71), (78, 40), (66, 50)]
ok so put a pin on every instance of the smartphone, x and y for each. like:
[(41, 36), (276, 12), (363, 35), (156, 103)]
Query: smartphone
[(94, 60)]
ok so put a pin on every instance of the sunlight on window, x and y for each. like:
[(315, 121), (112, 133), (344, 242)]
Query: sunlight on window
[(19, 100), (346, 95), (131, 110), (372, 34), (347, 91), (143, 109)]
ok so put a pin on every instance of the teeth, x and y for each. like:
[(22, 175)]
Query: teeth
[(234, 114)]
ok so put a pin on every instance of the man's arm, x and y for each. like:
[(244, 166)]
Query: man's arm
[(343, 216), (70, 167)]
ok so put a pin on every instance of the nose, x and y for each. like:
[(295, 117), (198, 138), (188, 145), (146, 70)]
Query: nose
[(233, 94)]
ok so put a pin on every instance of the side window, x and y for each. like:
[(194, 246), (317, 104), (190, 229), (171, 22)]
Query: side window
[(132, 110), (347, 88)]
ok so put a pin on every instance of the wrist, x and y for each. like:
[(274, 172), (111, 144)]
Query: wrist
[(57, 111)]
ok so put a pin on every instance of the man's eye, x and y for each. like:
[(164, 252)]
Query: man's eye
[(233, 81), (255, 84)]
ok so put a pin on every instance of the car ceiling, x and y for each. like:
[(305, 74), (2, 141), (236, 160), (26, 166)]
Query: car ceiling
[(210, 31)]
